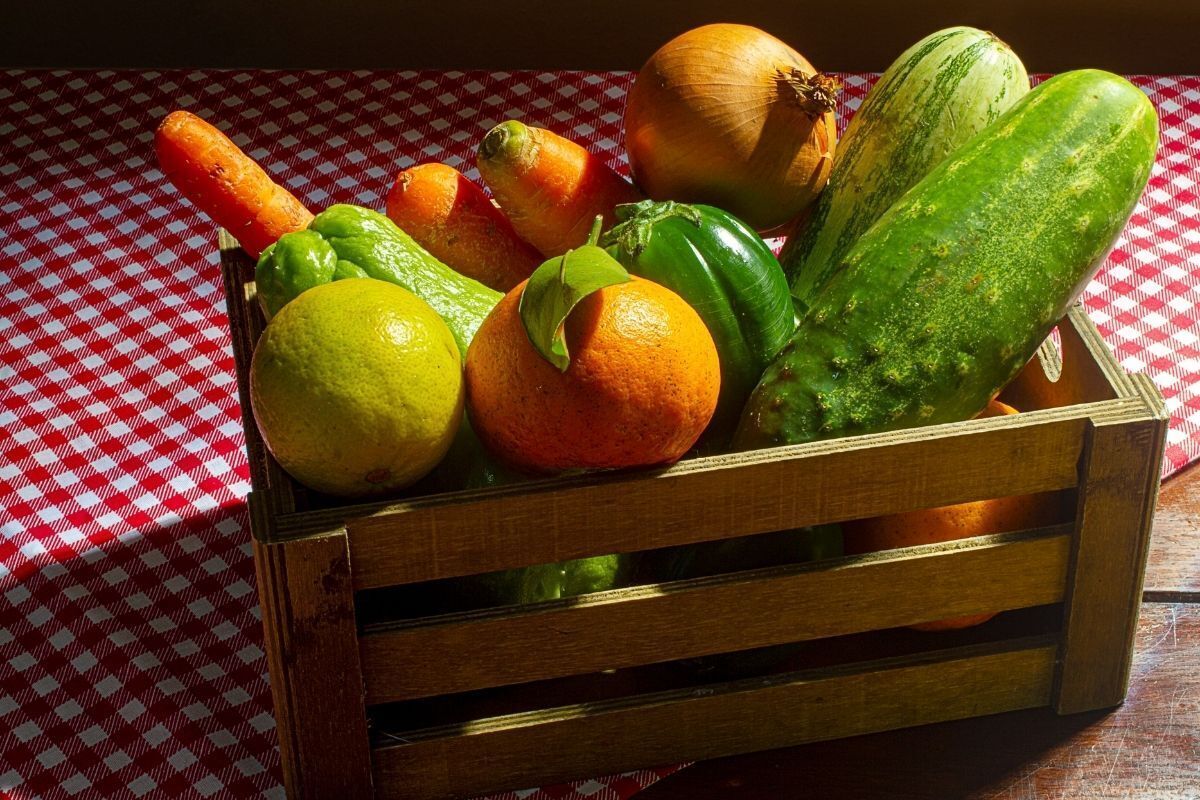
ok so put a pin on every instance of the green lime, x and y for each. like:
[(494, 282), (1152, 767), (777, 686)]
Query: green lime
[(357, 387)]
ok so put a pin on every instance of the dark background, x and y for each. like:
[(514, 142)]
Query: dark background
[(1049, 35)]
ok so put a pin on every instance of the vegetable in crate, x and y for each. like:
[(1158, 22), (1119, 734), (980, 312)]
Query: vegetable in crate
[(947, 296), (554, 581), (585, 367), (960, 521), (357, 388), (224, 183), (730, 116), (938, 94), (453, 219), (346, 241), (725, 271), (550, 187), (520, 586)]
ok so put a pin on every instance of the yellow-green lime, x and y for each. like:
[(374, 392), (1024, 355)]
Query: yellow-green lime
[(357, 387)]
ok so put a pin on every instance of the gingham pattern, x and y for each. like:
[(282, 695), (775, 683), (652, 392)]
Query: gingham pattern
[(131, 660)]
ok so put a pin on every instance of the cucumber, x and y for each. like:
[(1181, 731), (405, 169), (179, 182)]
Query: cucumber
[(938, 94), (947, 296)]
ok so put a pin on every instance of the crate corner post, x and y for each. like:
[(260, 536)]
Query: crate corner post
[(1119, 474), (307, 599)]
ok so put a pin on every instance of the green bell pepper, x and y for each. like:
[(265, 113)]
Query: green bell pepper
[(346, 241), (726, 272)]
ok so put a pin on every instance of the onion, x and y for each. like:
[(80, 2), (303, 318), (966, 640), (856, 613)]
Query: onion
[(730, 116)]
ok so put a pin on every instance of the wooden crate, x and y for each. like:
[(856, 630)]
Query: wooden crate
[(470, 702)]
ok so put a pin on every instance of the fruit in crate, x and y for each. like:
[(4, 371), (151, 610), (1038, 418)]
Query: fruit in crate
[(947, 296), (938, 94), (948, 523), (729, 116), (623, 374), (356, 387), (725, 271)]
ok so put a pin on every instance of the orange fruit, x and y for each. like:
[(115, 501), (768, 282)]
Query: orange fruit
[(640, 389), (948, 523)]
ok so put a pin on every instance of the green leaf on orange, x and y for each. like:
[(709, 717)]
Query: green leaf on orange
[(556, 287)]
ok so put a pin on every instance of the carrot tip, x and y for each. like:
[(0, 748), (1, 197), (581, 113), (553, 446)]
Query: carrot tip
[(504, 141)]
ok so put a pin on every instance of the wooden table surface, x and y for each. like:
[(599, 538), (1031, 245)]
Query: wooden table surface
[(1149, 748)]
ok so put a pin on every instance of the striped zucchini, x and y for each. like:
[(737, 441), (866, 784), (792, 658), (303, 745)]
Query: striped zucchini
[(947, 296), (937, 95)]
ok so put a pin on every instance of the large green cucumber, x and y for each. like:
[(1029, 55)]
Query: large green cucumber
[(938, 94), (947, 296)]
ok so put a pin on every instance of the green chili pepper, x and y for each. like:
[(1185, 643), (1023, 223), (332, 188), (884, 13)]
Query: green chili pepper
[(346, 241)]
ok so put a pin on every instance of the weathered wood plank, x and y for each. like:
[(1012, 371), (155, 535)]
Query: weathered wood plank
[(1148, 749), (769, 490), (246, 324), (316, 676), (734, 612), (1120, 470), (1079, 373), (1173, 570), (532, 749)]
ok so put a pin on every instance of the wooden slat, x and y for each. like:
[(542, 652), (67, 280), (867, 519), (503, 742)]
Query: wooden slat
[(1145, 750), (1084, 373), (1118, 490), (724, 496), (316, 676), (701, 617), (536, 748), (1098, 370), (246, 324)]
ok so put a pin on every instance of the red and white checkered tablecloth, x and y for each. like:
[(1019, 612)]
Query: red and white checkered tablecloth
[(131, 661)]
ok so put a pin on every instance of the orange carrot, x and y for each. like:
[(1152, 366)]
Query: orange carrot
[(550, 187), (225, 183), (453, 219)]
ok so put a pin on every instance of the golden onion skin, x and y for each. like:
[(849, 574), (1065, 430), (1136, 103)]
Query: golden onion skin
[(729, 116)]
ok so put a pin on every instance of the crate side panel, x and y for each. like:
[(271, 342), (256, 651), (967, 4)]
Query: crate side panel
[(568, 743), (702, 617), (245, 326), (1117, 497), (733, 496), (316, 675)]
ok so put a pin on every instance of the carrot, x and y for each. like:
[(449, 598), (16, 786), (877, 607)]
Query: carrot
[(453, 219), (225, 183), (550, 187)]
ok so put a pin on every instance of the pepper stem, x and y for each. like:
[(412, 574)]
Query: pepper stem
[(816, 94), (633, 234)]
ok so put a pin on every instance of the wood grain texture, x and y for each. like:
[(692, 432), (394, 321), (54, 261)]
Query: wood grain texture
[(1120, 470), (1148, 749), (1173, 570), (532, 749), (316, 677), (666, 622), (1083, 374), (718, 497)]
